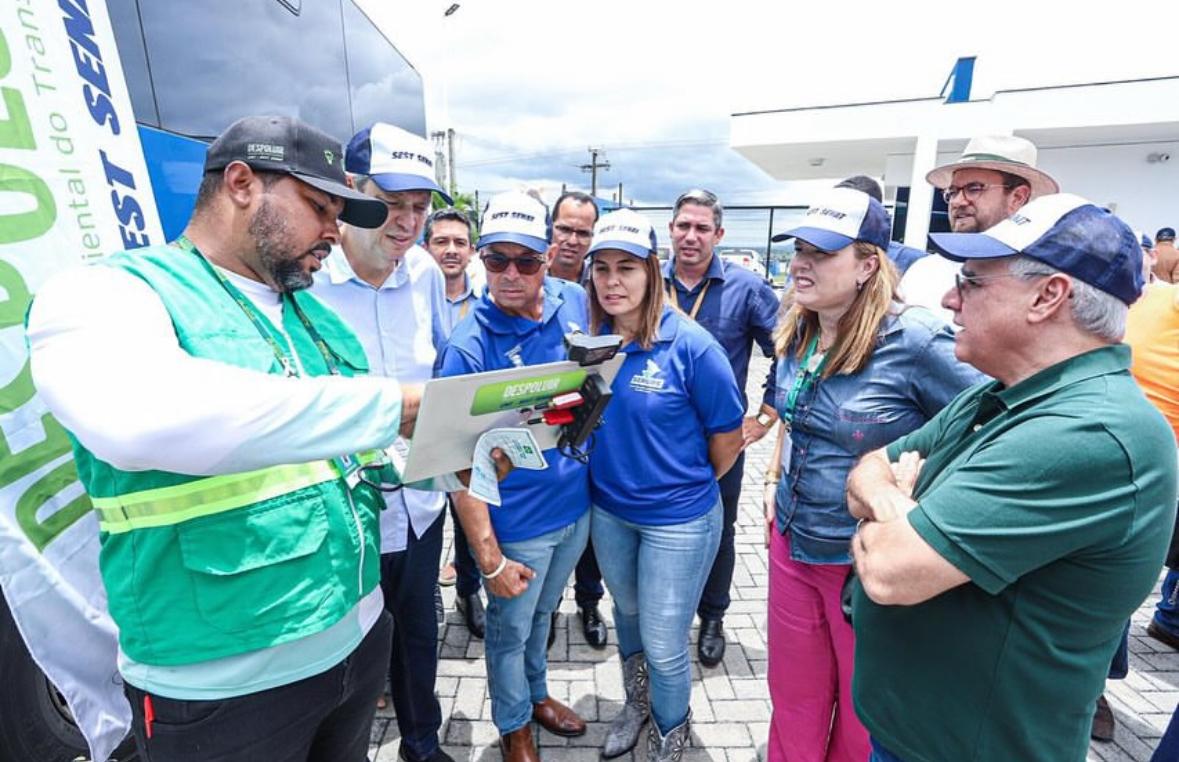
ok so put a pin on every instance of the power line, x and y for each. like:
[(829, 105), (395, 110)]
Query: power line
[(593, 168)]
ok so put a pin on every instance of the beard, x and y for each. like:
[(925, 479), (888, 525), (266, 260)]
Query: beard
[(276, 252)]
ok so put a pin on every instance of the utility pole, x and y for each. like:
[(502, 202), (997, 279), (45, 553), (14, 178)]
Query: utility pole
[(439, 138), (593, 168), (450, 164)]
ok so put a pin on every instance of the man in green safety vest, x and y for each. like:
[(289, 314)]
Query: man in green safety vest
[(230, 441)]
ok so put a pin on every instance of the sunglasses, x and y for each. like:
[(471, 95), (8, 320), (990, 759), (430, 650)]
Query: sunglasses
[(498, 263)]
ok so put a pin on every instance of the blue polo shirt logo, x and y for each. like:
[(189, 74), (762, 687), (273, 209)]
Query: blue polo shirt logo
[(647, 381)]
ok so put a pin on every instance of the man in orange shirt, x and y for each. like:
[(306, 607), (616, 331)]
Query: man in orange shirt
[(1152, 331), (1166, 265)]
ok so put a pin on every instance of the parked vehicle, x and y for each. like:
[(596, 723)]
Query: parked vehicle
[(747, 258)]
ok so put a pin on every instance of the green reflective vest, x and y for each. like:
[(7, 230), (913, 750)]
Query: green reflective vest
[(199, 568)]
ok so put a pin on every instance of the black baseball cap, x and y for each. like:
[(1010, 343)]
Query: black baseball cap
[(1165, 234), (286, 144)]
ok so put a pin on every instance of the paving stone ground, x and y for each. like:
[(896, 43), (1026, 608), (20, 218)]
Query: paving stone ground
[(730, 702)]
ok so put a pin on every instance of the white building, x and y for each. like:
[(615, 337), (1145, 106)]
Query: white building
[(1115, 143)]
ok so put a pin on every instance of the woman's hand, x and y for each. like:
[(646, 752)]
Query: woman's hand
[(771, 490)]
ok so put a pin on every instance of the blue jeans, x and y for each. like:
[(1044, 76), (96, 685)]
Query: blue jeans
[(1166, 614), (1168, 748), (881, 754), (655, 615), (516, 641)]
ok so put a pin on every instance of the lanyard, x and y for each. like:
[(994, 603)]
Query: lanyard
[(673, 292), (805, 377), (284, 360)]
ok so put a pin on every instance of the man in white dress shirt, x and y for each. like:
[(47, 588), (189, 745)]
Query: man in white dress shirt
[(393, 295)]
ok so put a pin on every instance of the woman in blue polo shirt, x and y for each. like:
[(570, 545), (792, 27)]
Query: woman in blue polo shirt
[(673, 427)]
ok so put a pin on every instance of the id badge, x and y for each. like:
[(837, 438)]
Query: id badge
[(787, 452), (349, 467)]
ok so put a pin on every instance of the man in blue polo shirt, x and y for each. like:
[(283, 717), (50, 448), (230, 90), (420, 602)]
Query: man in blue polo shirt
[(527, 547), (738, 308)]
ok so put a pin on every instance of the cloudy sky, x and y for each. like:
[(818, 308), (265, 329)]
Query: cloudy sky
[(528, 85)]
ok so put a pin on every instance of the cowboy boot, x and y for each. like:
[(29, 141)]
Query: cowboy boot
[(670, 747), (624, 729)]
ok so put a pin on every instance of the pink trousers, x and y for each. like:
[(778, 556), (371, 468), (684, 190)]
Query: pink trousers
[(811, 648)]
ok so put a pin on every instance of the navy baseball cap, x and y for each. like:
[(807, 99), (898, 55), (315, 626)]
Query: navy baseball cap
[(288, 145), (397, 160), (839, 217), (1064, 231), (1165, 234), (625, 230)]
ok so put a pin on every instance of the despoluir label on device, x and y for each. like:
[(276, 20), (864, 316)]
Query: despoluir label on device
[(528, 392)]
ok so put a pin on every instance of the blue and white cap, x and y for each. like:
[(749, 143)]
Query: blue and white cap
[(840, 216), (515, 217), (1064, 231), (396, 160), (625, 230)]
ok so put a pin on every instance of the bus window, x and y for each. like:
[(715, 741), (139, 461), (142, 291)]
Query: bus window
[(384, 87)]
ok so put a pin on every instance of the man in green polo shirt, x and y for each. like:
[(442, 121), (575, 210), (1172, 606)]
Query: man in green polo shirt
[(1007, 541)]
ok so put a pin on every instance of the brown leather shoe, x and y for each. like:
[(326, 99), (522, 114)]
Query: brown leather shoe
[(557, 718), (517, 746), (1103, 721)]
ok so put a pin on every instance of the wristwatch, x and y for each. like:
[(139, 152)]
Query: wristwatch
[(764, 419)]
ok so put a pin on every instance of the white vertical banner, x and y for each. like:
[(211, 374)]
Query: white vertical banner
[(73, 187)]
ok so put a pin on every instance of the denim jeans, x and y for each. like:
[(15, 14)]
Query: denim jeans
[(1119, 667), (656, 575), (881, 754), (1168, 748), (1166, 614), (516, 641)]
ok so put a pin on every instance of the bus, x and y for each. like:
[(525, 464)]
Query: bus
[(184, 71)]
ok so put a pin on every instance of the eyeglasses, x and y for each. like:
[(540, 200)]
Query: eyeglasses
[(971, 190), (564, 231), (967, 282), (498, 263)]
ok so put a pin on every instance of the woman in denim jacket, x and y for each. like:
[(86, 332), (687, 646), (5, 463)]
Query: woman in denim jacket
[(856, 370)]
